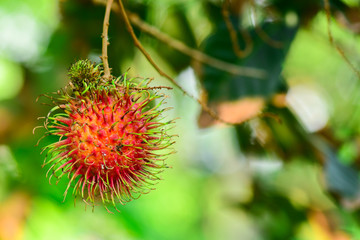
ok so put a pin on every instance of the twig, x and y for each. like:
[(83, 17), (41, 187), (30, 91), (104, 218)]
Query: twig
[(137, 43), (233, 36), (262, 34), (331, 38), (328, 16), (105, 41), (141, 48), (267, 39)]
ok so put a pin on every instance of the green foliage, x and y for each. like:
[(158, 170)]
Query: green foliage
[(222, 86)]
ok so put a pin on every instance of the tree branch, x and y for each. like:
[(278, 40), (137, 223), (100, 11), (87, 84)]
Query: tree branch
[(233, 35)]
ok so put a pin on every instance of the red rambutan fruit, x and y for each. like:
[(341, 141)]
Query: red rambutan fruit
[(112, 143)]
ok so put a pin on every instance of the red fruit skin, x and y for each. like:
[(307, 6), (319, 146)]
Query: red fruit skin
[(110, 145)]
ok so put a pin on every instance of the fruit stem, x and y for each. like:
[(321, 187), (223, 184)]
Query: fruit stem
[(105, 41)]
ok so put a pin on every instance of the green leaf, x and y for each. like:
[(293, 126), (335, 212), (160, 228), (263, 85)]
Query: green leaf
[(347, 153), (176, 25), (223, 86), (341, 179)]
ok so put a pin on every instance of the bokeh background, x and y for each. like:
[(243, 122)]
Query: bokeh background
[(292, 173)]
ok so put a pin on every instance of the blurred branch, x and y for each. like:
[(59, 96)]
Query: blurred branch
[(193, 53), (233, 36), (105, 41), (331, 38), (268, 40), (261, 33)]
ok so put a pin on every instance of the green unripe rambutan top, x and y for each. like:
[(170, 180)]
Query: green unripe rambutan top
[(84, 73)]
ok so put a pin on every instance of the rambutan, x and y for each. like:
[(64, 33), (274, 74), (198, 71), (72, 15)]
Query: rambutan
[(112, 141)]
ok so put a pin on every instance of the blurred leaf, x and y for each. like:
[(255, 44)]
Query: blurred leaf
[(287, 138), (49, 220), (299, 181), (176, 25), (321, 226), (13, 214), (236, 111), (306, 9), (269, 207), (350, 223), (10, 70), (347, 153), (8, 165), (222, 86), (79, 37), (350, 18), (8, 169), (341, 179)]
